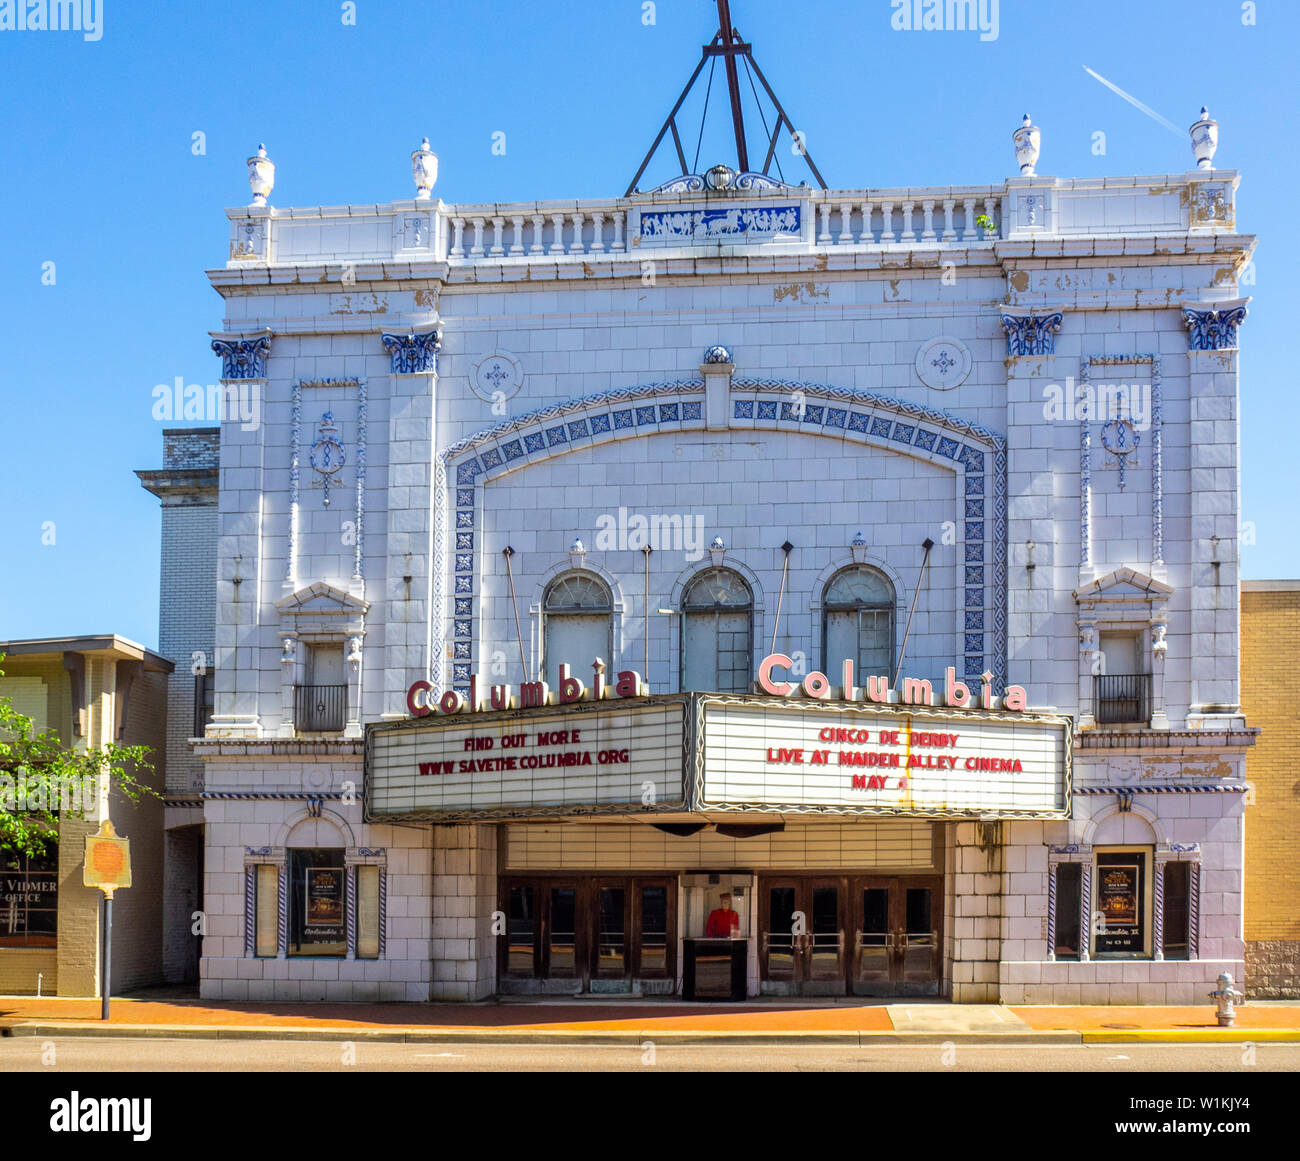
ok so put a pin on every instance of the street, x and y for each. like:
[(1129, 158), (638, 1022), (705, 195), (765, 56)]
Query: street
[(117, 1054)]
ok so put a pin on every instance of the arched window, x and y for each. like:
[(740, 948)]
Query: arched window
[(858, 622), (717, 633), (578, 625)]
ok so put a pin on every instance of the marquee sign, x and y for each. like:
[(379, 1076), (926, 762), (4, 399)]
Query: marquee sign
[(586, 758), (947, 749), (767, 755)]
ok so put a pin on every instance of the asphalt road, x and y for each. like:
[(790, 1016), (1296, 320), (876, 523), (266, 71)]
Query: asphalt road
[(75, 1054)]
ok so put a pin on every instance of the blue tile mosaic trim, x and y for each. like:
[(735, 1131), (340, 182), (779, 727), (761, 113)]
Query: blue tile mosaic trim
[(464, 542), (951, 438)]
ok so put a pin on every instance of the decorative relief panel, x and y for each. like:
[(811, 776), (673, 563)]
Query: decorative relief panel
[(943, 363), (731, 223), (497, 377)]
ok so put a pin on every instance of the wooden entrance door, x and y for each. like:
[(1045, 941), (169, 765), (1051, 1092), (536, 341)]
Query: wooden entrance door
[(588, 934), (898, 924), (801, 936)]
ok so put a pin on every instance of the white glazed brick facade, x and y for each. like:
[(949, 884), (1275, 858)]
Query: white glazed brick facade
[(406, 569)]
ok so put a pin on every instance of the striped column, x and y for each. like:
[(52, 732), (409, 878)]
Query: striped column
[(1159, 936), (350, 908), (250, 909), (282, 912), (1085, 914), (1194, 912), (383, 909), (1051, 912)]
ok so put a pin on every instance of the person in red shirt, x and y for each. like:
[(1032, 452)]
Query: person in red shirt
[(723, 922)]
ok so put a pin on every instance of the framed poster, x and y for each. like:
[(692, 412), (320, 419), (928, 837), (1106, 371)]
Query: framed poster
[(324, 897), (1120, 929)]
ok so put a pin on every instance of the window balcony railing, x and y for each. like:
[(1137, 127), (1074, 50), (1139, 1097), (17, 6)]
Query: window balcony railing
[(1122, 698), (319, 708)]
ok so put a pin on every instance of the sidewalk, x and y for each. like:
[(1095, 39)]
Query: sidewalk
[(632, 1021)]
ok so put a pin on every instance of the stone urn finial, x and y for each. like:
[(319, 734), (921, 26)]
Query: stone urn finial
[(424, 168), (261, 176), (1205, 139), (1027, 140)]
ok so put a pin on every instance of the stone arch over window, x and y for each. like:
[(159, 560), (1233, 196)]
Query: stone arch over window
[(1137, 824), (328, 828), (975, 454), (858, 621), (717, 650), (577, 623)]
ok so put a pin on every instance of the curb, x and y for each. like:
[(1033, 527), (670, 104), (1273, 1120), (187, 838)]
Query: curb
[(1195, 1036), (515, 1036)]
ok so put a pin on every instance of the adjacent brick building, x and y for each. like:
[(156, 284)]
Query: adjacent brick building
[(90, 691), (186, 485), (1270, 654)]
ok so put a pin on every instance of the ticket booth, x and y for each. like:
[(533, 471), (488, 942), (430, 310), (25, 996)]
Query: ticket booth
[(715, 947)]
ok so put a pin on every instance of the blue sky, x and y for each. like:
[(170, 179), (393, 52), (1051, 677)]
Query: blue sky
[(104, 182)]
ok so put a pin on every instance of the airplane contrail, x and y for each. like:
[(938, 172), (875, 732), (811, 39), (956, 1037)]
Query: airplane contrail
[(1132, 100)]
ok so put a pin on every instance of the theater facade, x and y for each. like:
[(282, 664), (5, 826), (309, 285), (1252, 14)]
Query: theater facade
[(865, 556)]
